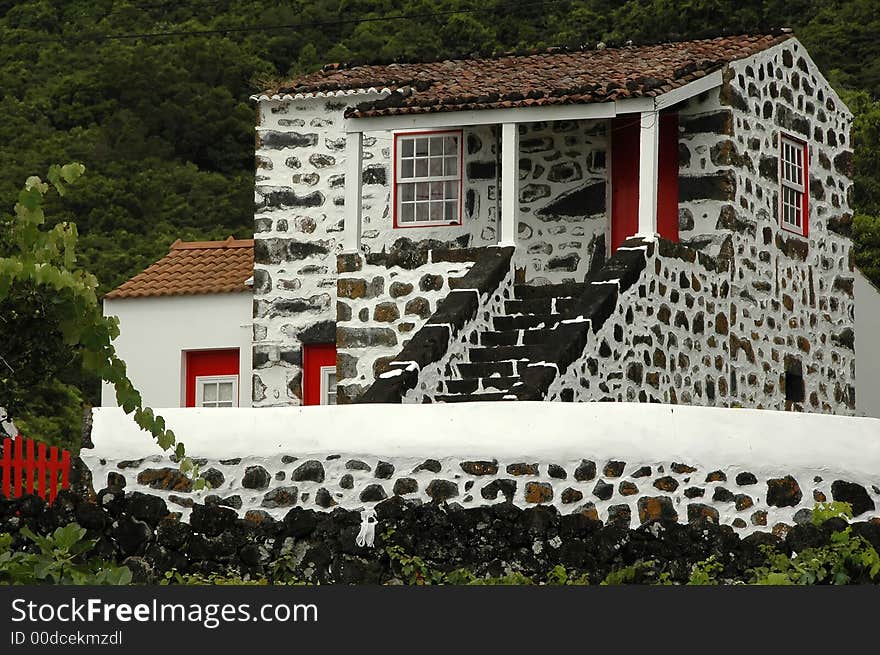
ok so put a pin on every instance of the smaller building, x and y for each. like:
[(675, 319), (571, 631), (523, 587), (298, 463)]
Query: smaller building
[(185, 326)]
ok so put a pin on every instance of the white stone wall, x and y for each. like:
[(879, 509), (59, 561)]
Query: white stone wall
[(618, 462)]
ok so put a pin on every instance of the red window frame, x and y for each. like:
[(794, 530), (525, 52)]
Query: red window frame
[(804, 191), (210, 363), (396, 163)]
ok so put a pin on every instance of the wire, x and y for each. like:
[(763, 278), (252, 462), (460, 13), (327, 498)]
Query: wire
[(269, 28)]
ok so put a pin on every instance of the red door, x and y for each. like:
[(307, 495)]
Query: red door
[(625, 178), (209, 363), (667, 182), (319, 382)]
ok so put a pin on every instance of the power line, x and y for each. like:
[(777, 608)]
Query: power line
[(268, 28)]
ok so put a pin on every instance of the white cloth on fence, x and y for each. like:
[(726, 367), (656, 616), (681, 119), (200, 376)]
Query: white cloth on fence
[(367, 534)]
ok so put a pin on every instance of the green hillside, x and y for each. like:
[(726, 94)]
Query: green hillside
[(153, 97)]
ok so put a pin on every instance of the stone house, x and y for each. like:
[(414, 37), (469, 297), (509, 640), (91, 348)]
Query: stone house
[(665, 223)]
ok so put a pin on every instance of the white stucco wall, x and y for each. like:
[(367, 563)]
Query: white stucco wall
[(155, 332), (867, 348)]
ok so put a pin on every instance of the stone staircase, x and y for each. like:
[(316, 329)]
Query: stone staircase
[(495, 366), (517, 353)]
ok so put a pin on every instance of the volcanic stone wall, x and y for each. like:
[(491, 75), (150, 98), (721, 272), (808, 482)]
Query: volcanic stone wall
[(743, 307), (142, 532), (626, 494), (380, 305)]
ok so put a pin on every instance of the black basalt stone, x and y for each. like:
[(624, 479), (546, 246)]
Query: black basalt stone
[(373, 493), (587, 200), (311, 470), (585, 471), (146, 507), (441, 490), (603, 490), (854, 494), (256, 477), (211, 520), (783, 492)]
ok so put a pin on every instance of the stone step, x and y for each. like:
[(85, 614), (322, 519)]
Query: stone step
[(554, 305), (565, 289), (483, 370), (473, 385), (543, 321), (508, 338), (503, 353)]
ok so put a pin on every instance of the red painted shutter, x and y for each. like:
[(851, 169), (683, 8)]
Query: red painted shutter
[(624, 179), (667, 182), (316, 355), (208, 362)]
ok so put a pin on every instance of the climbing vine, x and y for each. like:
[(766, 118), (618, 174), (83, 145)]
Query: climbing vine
[(51, 314)]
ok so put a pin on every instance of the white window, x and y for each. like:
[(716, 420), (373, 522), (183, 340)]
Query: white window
[(328, 385), (793, 181), (217, 391), (427, 183)]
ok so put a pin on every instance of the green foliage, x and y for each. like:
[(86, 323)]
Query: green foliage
[(62, 559), (54, 323), (824, 511), (706, 572), (847, 559), (629, 574)]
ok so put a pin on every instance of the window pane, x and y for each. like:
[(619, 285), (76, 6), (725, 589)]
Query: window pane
[(422, 211), (407, 192), (421, 168), (437, 190), (209, 391), (451, 209), (436, 167), (407, 212), (225, 403), (421, 145), (422, 190), (406, 147), (450, 166), (406, 168), (225, 391), (436, 145), (451, 190), (436, 211), (451, 146)]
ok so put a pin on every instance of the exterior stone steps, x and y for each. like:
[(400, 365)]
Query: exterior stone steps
[(503, 353), (526, 321), (474, 385), (564, 290)]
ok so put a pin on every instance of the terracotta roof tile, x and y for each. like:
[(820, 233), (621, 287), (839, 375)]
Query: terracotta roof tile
[(194, 267), (548, 78)]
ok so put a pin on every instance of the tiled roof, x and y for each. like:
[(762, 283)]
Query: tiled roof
[(547, 78), (194, 267)]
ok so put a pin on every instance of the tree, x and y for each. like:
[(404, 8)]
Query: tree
[(52, 324)]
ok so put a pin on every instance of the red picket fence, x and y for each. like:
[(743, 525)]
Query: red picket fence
[(26, 468)]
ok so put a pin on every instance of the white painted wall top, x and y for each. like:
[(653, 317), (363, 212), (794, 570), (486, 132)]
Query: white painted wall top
[(757, 440)]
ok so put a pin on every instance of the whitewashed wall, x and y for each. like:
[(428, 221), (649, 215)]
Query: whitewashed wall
[(155, 332), (750, 469)]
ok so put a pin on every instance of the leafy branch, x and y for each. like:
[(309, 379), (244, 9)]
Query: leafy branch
[(43, 262)]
